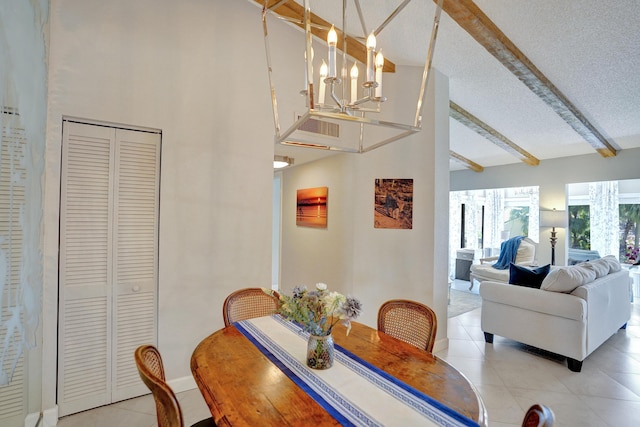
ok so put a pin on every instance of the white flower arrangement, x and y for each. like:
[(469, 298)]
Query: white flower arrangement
[(318, 311)]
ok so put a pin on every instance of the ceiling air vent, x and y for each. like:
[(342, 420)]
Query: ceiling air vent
[(320, 127)]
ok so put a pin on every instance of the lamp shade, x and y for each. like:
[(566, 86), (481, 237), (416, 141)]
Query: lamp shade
[(553, 218)]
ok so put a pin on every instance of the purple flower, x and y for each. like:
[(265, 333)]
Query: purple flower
[(299, 291), (352, 307)]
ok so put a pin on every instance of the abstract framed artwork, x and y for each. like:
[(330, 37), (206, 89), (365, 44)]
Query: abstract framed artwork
[(393, 204), (311, 207)]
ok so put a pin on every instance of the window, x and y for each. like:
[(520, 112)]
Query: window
[(629, 232), (483, 219), (579, 234), (605, 217)]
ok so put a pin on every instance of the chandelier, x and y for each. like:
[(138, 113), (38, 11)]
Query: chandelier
[(340, 103)]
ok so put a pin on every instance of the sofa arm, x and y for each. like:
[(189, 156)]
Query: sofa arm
[(547, 302)]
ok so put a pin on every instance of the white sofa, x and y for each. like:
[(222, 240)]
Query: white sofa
[(484, 271), (557, 318)]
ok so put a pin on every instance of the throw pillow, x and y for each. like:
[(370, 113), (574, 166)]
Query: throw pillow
[(531, 278), (566, 279)]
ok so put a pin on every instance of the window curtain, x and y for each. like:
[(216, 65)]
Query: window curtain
[(533, 195), (455, 211), (534, 214), (473, 201), (494, 210), (22, 146), (604, 217)]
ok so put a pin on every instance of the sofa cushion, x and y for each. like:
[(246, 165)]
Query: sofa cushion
[(599, 266), (566, 279), (531, 278), (603, 266), (614, 264), (487, 272), (526, 253)]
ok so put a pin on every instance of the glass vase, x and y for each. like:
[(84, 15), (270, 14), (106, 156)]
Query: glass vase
[(320, 351)]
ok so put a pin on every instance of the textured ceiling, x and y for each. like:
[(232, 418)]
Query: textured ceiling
[(588, 49)]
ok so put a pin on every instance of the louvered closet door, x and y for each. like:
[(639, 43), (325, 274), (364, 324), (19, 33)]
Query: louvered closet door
[(108, 262), (135, 255), (84, 336)]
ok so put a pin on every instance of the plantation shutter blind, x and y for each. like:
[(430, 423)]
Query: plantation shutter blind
[(108, 262), (13, 395)]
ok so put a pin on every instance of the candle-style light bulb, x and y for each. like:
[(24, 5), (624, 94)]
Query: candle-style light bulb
[(321, 85), (332, 41), (379, 65), (371, 47), (354, 83), (306, 71)]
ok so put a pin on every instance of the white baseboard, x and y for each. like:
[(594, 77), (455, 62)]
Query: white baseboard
[(47, 418), (31, 420), (440, 345), (50, 417), (182, 384)]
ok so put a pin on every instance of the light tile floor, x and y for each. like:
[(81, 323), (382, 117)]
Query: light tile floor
[(510, 377)]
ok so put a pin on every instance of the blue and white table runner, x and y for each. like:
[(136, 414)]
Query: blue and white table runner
[(353, 391)]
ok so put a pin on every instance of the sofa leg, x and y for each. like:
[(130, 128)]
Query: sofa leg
[(574, 365), (488, 337), (623, 326)]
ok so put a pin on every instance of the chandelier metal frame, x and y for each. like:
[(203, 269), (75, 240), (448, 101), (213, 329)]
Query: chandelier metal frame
[(344, 111)]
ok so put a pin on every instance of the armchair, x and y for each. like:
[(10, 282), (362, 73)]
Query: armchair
[(526, 256)]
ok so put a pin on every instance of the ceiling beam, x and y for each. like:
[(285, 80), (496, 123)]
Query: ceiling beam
[(469, 164), (294, 13), (469, 16), (483, 129)]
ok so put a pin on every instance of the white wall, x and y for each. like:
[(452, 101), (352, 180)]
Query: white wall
[(175, 66), (350, 255), (552, 176)]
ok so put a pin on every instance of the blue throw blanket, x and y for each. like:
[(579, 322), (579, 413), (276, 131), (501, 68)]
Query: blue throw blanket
[(508, 252)]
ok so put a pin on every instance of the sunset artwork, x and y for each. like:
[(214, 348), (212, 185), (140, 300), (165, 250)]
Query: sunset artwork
[(311, 207), (393, 205)]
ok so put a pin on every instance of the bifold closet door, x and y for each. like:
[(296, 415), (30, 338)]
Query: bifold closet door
[(135, 260), (108, 262)]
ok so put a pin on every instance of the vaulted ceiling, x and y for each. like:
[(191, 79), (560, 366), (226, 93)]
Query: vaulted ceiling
[(529, 80)]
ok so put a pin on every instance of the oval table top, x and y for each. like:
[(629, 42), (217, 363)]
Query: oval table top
[(242, 387)]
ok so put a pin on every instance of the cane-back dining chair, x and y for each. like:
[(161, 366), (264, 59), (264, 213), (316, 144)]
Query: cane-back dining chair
[(151, 371), (538, 416), (409, 321), (248, 303)]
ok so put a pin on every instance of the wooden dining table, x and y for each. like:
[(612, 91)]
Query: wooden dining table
[(243, 387)]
